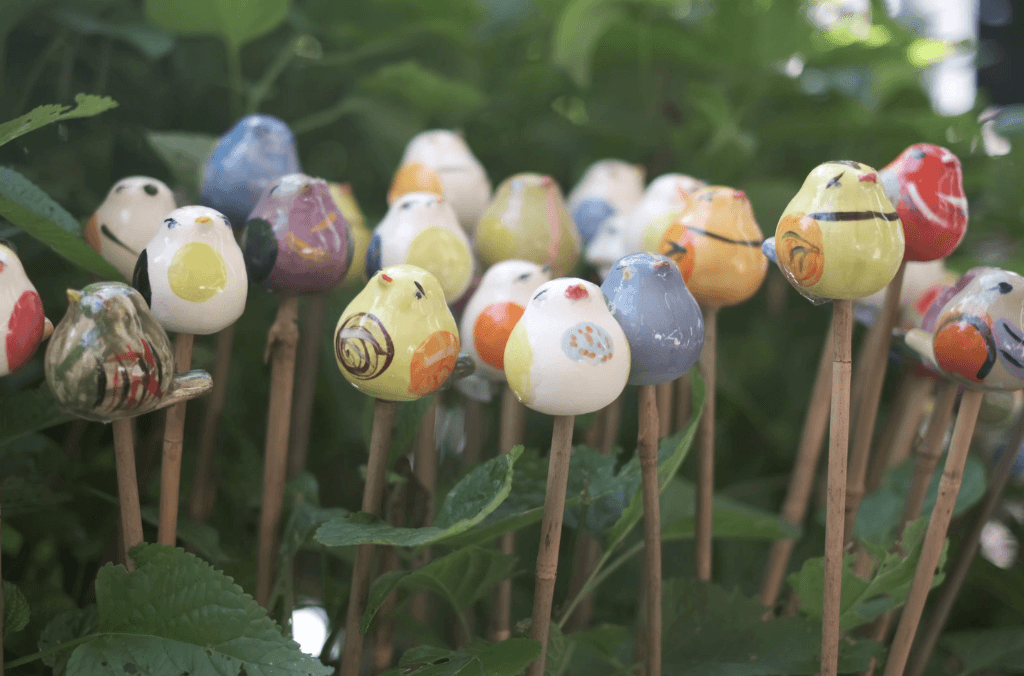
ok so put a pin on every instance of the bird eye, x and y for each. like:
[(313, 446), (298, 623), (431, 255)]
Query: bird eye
[(540, 294), (834, 181), (406, 205), (171, 223), (1004, 288), (523, 277), (150, 189), (420, 293)]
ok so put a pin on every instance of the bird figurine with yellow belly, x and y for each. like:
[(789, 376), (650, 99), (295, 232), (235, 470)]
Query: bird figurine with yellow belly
[(717, 245), (567, 355), (22, 322), (440, 162), (840, 237), (346, 202), (397, 339), (130, 215), (974, 331), (192, 273), (421, 229), (494, 309)]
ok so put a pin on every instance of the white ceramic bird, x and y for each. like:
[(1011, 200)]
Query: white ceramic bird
[(664, 198), (493, 311), (567, 355), (192, 273), (127, 219), (608, 187), (607, 246), (22, 323), (441, 162), (421, 229)]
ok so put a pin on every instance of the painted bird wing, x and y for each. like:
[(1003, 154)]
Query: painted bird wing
[(140, 278), (1010, 344)]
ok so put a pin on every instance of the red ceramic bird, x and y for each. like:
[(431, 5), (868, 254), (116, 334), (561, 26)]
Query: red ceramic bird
[(21, 314)]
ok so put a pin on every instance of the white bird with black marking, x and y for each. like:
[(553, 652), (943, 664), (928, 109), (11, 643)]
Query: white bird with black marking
[(127, 219)]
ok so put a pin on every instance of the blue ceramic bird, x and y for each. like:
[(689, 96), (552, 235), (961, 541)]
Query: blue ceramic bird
[(661, 319)]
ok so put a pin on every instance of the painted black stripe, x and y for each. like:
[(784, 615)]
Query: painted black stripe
[(101, 384), (1006, 327), (113, 238), (1010, 358), (852, 215), (727, 240)]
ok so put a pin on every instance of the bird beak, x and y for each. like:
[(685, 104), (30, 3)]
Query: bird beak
[(74, 296), (47, 328), (869, 178)]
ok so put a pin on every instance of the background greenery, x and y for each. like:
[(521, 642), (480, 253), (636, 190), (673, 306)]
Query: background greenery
[(697, 86)]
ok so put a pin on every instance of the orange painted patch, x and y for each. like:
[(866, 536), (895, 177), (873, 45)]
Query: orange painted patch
[(92, 233), (961, 347), (432, 362), (678, 244), (492, 329), (308, 251), (799, 248), (415, 177)]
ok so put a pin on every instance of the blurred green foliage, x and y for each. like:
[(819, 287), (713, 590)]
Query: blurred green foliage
[(739, 92)]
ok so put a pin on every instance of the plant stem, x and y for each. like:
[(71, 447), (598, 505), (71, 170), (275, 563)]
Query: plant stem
[(259, 91), (49, 651), (597, 576)]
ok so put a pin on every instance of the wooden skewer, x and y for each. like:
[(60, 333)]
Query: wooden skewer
[(307, 370), (384, 633), (610, 434), (935, 537), (665, 392), (955, 581), (706, 449), (682, 403), (839, 436), (551, 535), (798, 496), (901, 428), (204, 487), (425, 469), (127, 487), (282, 342), (930, 451), (174, 437), (647, 450), (871, 394), (511, 434), (376, 470)]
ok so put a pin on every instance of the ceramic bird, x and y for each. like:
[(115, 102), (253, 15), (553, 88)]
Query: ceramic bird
[(421, 229), (130, 215), (21, 314), (297, 239), (109, 357), (527, 219), (926, 185), (257, 150), (192, 273), (717, 245), (346, 202), (661, 320), (397, 340), (607, 246), (440, 162), (608, 187), (973, 333), (494, 309), (567, 355), (839, 237), (663, 200)]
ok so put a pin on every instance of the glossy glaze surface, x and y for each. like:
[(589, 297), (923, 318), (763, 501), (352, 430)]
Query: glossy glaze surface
[(608, 187), (664, 199), (397, 340), (839, 237), (109, 357), (973, 332), (567, 355), (346, 202), (421, 229), (494, 309), (129, 216), (661, 319), (717, 245), (297, 239), (926, 185), (257, 150), (22, 323), (440, 161), (192, 273)]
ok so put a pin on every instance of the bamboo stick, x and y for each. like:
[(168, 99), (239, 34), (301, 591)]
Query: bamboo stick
[(610, 434), (174, 437), (425, 469), (682, 403), (127, 488), (510, 435), (204, 487), (307, 371), (647, 450), (901, 428), (930, 450), (384, 633), (706, 449), (665, 391)]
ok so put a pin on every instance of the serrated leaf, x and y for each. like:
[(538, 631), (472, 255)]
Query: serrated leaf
[(508, 658), (86, 105), (29, 411), (730, 519), (234, 21), (16, 610), (865, 599), (185, 155), (708, 631), (176, 613), (25, 205), (579, 29), (460, 578), (63, 628), (478, 494)]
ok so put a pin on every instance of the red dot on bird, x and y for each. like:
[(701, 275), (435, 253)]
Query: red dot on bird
[(576, 292)]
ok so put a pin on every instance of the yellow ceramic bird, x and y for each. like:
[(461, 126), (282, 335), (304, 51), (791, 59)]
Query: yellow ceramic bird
[(840, 236), (397, 339), (343, 196)]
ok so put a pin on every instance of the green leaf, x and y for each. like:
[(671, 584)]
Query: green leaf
[(730, 519), (997, 648), (234, 21), (508, 658), (478, 494), (87, 105), (62, 628), (16, 611), (460, 578), (425, 89), (185, 155), (865, 599), (578, 32), (29, 411), (708, 631), (151, 40), (176, 613), (25, 205), (202, 538)]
